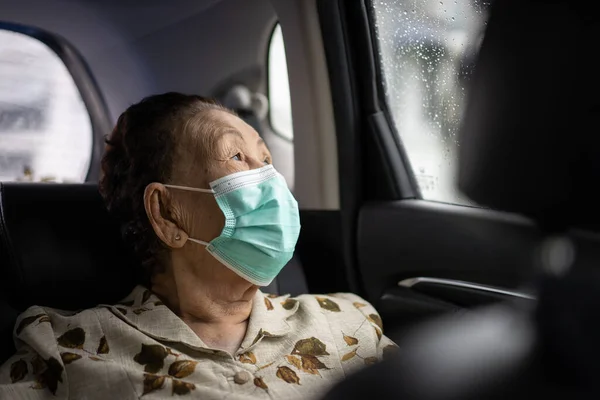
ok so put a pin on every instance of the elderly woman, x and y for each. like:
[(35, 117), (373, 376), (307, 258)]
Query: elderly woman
[(211, 221)]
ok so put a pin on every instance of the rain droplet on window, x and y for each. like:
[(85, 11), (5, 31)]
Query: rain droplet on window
[(425, 84)]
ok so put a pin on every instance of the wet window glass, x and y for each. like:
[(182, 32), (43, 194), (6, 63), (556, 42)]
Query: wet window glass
[(426, 52)]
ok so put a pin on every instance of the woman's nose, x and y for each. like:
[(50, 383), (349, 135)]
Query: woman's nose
[(255, 163)]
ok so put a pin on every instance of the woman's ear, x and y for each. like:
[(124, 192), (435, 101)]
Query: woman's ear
[(157, 202)]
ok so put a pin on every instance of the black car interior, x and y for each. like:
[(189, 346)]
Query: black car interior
[(528, 160), (520, 348)]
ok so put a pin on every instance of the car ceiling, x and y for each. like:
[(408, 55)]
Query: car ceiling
[(135, 49)]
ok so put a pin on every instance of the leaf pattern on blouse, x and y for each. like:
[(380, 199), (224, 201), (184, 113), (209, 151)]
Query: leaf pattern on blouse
[(350, 341), (328, 304), (103, 346), (18, 371), (152, 357), (181, 369), (72, 339), (300, 359), (25, 322), (288, 375)]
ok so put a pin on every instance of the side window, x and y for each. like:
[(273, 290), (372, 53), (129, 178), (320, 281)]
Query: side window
[(281, 138), (426, 51), (280, 115), (45, 128)]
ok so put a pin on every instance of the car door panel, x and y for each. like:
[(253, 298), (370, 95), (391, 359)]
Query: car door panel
[(413, 238), (409, 239), (450, 257)]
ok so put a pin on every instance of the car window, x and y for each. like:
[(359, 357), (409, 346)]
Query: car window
[(45, 128), (280, 114), (426, 51)]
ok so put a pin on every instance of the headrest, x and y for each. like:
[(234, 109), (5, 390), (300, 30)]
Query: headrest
[(59, 248), (529, 141), (241, 99), (238, 97)]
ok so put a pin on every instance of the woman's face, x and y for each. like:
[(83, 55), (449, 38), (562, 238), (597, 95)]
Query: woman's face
[(231, 146)]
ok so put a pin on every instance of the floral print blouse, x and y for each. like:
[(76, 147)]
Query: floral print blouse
[(294, 348)]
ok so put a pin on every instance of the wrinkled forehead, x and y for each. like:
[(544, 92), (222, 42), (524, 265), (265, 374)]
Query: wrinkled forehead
[(197, 136), (202, 132), (203, 137), (224, 128), (215, 129)]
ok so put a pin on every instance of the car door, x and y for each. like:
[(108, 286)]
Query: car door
[(399, 75)]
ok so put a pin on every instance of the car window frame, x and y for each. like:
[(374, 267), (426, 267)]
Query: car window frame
[(86, 85)]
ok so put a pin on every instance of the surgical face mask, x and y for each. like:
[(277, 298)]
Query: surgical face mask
[(262, 223)]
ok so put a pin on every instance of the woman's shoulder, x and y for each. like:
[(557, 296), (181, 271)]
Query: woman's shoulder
[(38, 319), (338, 308), (44, 313), (336, 302), (55, 316)]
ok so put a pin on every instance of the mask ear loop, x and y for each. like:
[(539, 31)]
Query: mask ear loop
[(193, 190), (190, 189), (198, 241)]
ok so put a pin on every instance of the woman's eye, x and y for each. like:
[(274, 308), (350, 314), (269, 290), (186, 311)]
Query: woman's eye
[(237, 157)]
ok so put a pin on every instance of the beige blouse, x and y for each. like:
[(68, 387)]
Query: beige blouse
[(294, 348)]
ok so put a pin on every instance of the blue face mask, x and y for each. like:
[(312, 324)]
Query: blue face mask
[(262, 223)]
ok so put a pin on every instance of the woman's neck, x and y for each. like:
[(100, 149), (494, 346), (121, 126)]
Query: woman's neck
[(211, 299)]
